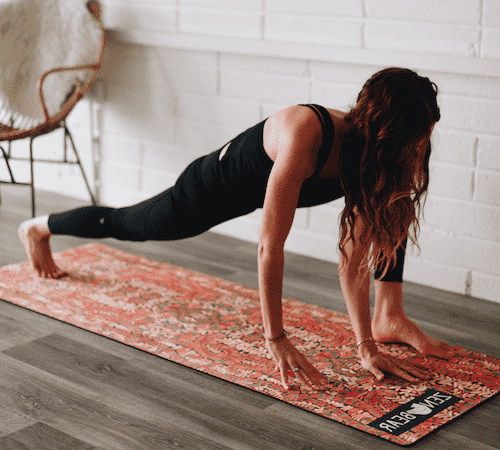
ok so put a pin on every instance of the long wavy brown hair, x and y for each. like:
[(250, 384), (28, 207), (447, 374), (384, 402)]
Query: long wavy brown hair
[(384, 163)]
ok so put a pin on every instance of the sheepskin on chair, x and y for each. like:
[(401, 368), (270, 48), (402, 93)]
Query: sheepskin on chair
[(35, 37)]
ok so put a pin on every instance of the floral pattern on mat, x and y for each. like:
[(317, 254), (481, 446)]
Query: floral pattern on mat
[(215, 326)]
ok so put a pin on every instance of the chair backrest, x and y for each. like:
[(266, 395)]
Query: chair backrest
[(50, 50)]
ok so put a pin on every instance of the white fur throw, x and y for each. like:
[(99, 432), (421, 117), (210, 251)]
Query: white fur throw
[(36, 36)]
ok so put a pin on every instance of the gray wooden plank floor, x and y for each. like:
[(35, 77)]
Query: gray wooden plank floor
[(65, 388)]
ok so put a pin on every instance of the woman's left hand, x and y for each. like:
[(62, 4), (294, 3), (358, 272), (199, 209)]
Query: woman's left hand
[(379, 363)]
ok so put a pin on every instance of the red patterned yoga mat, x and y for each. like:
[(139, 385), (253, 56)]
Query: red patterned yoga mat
[(215, 326)]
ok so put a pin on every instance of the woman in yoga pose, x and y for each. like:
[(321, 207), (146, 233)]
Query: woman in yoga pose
[(376, 155)]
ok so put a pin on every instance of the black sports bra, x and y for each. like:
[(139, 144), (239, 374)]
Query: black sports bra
[(328, 129), (317, 190)]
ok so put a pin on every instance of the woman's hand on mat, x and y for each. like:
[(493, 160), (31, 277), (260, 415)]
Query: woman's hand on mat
[(288, 359), (378, 363)]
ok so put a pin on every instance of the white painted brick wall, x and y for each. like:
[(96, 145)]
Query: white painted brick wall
[(264, 87), (454, 146), (250, 5), (334, 8), (216, 110), (423, 37), (470, 114), (491, 43), (451, 181), (468, 85), (489, 149), (430, 11), (442, 276), (278, 66), (463, 218), (167, 106), (317, 29), (487, 187), (491, 15), (203, 136), (220, 22), (155, 16), (154, 181), (333, 94), (167, 157)]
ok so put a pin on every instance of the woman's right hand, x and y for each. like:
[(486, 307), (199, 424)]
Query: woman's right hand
[(288, 358)]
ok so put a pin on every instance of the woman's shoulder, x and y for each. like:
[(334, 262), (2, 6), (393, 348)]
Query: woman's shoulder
[(295, 127), (297, 116), (297, 123), (305, 115)]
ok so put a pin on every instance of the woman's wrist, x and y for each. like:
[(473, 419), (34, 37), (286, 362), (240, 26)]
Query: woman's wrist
[(366, 347), (275, 338), (363, 341)]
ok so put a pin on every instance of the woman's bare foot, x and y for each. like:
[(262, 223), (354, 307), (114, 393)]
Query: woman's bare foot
[(402, 330), (390, 323), (35, 235)]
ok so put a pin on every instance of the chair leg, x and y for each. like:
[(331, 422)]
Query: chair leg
[(3, 151), (32, 178), (6, 156), (67, 134)]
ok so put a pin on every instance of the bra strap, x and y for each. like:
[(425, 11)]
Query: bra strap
[(328, 129)]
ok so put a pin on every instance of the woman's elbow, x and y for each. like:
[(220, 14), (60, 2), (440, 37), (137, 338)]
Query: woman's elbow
[(269, 248)]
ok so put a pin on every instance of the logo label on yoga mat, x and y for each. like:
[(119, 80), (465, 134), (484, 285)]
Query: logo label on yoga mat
[(406, 416)]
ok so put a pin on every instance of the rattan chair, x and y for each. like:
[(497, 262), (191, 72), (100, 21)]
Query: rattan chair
[(19, 118)]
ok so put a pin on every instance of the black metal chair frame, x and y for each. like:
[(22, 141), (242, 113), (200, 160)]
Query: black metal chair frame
[(7, 155)]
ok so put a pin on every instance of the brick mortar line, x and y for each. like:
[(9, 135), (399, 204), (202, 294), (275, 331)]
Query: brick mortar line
[(462, 202)]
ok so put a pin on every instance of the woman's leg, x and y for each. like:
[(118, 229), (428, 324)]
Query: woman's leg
[(130, 224), (390, 323), (152, 219), (394, 273), (199, 200)]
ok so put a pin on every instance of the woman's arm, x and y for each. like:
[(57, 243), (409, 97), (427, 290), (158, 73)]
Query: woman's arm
[(291, 133), (355, 285), (295, 132)]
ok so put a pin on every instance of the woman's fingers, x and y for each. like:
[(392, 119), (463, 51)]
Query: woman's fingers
[(395, 370), (285, 370), (288, 358), (315, 377), (420, 366), (306, 380), (379, 375), (413, 369), (299, 375), (382, 366), (416, 371), (305, 373), (283, 367), (403, 369), (309, 376)]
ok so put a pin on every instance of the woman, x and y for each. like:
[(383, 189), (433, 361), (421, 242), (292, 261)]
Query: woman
[(377, 155)]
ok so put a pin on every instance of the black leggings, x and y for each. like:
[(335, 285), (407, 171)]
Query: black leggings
[(209, 191), (198, 201), (206, 194)]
